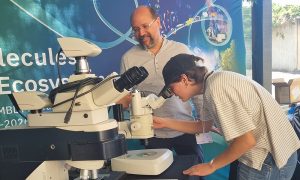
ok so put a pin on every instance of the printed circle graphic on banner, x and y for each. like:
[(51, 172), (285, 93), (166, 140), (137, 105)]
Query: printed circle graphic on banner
[(217, 29), (121, 35)]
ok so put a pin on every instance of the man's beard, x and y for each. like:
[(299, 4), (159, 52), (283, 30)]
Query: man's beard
[(151, 44)]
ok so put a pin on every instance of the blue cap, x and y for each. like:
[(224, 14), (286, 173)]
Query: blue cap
[(177, 66)]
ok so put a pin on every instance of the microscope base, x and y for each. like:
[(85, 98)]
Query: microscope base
[(143, 162), (50, 170)]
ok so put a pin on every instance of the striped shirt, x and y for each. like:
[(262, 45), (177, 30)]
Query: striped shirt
[(238, 105), (173, 107)]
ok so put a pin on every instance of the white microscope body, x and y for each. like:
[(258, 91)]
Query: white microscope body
[(140, 127), (140, 124), (85, 109)]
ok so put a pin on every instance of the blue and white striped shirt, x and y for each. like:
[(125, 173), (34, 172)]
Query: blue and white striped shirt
[(238, 105)]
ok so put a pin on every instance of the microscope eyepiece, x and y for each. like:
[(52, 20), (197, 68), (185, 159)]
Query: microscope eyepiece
[(130, 78), (166, 92)]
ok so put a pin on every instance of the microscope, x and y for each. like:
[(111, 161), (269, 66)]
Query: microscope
[(149, 161), (77, 130)]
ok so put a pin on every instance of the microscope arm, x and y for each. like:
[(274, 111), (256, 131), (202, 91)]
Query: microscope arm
[(155, 102), (141, 118)]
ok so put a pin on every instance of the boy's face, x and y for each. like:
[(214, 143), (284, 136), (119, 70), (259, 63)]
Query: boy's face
[(182, 89)]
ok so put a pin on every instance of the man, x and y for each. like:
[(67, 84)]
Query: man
[(153, 52)]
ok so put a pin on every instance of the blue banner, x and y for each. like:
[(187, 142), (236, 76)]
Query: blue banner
[(212, 29)]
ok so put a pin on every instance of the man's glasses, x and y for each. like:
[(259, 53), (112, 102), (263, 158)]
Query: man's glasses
[(144, 26)]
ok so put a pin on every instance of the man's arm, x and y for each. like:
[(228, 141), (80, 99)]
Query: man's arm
[(125, 101), (123, 67)]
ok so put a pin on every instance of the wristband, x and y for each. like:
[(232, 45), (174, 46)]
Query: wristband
[(211, 163)]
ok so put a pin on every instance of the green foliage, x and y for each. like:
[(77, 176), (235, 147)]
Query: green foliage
[(247, 22), (284, 14), (280, 15), (228, 58)]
